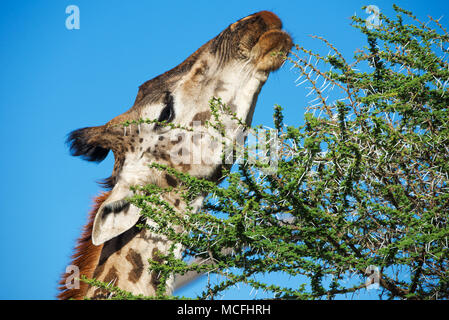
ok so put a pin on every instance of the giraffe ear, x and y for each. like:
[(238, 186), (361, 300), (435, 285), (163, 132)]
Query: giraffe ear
[(115, 216)]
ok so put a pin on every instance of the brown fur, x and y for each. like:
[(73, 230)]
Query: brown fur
[(85, 257), (136, 260)]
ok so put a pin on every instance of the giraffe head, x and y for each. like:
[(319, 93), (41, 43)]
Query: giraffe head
[(233, 66)]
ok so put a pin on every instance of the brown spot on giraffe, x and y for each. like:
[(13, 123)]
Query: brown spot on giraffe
[(171, 181), (112, 279), (201, 117), (112, 276), (136, 261)]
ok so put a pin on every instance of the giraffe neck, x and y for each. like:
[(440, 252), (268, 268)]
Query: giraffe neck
[(123, 261)]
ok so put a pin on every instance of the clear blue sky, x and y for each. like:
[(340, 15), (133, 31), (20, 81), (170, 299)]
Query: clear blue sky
[(54, 80)]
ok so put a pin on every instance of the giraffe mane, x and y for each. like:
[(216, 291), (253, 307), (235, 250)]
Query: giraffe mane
[(85, 257)]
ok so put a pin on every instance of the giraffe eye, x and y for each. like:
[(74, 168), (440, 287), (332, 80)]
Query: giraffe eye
[(168, 112)]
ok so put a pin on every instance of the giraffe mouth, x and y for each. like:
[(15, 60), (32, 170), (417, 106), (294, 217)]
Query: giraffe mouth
[(261, 39), (271, 50)]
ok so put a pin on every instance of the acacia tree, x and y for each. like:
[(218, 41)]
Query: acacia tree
[(361, 186)]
